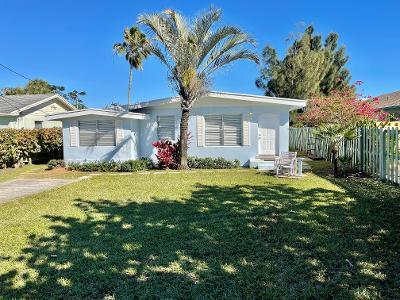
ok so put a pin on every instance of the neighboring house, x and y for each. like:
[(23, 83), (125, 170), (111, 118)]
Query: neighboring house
[(30, 111), (234, 126), (390, 103)]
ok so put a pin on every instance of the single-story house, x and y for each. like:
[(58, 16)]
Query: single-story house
[(233, 126), (390, 103), (30, 111)]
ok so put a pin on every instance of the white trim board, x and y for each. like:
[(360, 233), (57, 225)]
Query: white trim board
[(293, 103), (55, 96), (97, 112)]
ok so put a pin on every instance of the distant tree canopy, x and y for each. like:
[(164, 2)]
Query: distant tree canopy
[(308, 69), (40, 86), (34, 86)]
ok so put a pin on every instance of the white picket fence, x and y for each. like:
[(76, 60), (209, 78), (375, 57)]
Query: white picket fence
[(376, 151)]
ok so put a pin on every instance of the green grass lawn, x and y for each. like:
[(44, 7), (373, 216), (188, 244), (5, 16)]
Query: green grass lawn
[(218, 234), (35, 171)]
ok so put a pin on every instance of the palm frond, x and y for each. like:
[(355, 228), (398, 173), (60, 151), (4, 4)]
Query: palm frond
[(229, 57), (156, 50), (134, 47), (192, 52), (215, 38), (227, 45), (203, 24)]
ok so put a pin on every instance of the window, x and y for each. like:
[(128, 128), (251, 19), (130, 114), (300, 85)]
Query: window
[(38, 124), (97, 133), (166, 127), (223, 130)]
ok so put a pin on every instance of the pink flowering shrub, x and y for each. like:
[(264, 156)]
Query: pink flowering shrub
[(342, 107)]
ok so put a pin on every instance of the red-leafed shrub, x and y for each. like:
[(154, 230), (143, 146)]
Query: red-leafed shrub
[(167, 154)]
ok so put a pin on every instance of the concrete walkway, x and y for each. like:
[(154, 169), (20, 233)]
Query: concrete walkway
[(13, 189)]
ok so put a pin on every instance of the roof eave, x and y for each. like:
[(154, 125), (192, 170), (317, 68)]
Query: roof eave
[(8, 114), (55, 96), (295, 103), (93, 112)]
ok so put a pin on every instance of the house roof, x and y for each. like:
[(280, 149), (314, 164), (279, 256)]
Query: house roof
[(293, 103), (96, 112), (389, 100), (14, 104)]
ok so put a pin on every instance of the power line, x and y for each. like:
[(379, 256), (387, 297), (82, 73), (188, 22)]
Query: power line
[(15, 72), (19, 74), (9, 101)]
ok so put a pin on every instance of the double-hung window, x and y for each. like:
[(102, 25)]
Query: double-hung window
[(223, 130), (97, 133), (166, 127)]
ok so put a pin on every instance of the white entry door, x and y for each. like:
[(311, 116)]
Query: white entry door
[(267, 133)]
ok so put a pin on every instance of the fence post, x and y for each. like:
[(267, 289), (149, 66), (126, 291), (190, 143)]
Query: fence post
[(396, 161), (361, 149), (382, 160)]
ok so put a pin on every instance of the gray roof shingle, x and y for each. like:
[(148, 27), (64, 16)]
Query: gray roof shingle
[(389, 100), (10, 103)]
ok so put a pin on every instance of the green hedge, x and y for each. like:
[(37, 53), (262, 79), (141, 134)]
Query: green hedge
[(212, 163), (20, 145), (111, 166), (142, 164), (55, 163)]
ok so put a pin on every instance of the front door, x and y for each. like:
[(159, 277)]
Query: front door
[(267, 134)]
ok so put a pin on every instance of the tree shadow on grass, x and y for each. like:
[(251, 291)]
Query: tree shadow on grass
[(221, 242)]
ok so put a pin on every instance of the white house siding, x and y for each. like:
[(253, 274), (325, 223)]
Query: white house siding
[(7, 122), (125, 150), (39, 113), (27, 118), (148, 129)]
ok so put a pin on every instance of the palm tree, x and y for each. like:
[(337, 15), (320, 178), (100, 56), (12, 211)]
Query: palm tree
[(334, 135), (192, 52), (135, 49), (75, 98)]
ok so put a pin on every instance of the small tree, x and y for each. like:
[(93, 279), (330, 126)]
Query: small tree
[(342, 107), (337, 116), (193, 52), (334, 135)]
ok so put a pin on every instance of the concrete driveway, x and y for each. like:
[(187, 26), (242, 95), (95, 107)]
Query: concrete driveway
[(13, 189)]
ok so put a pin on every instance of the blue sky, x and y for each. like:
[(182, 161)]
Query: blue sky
[(69, 42)]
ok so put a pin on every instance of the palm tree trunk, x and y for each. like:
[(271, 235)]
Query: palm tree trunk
[(129, 86), (183, 145), (335, 163)]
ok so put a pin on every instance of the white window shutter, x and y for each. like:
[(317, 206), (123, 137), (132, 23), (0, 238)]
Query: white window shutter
[(166, 127), (74, 133), (119, 132), (246, 130), (200, 131)]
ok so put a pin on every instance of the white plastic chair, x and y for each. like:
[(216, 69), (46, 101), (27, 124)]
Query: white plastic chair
[(286, 161)]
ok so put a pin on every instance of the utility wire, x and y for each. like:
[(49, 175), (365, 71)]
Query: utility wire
[(15, 72), (9, 101)]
